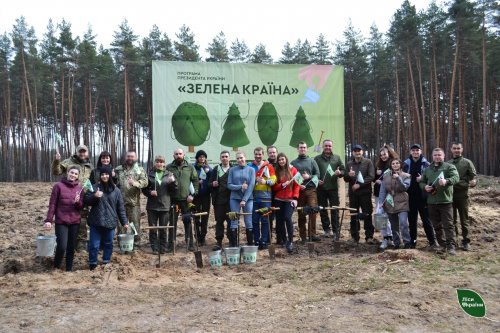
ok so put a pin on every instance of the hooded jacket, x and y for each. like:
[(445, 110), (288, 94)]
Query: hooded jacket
[(185, 174), (108, 209), (62, 202), (397, 188)]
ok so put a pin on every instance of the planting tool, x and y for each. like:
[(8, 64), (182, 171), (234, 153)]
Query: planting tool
[(236, 216), (158, 239), (336, 240), (197, 253), (266, 211), (309, 210)]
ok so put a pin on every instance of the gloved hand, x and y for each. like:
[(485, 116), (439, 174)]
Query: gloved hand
[(233, 215)]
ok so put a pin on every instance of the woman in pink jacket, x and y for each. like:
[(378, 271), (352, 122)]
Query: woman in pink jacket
[(286, 194), (65, 204)]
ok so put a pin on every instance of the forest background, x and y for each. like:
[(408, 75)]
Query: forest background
[(432, 78)]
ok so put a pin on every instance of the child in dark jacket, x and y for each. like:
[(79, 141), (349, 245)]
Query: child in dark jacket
[(65, 204), (107, 208)]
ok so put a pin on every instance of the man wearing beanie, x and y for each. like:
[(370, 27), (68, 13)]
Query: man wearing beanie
[(202, 199)]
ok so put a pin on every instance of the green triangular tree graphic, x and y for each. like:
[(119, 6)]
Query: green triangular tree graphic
[(301, 130), (234, 130)]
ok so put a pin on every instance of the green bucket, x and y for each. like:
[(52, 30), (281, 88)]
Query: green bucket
[(126, 242), (232, 255), (215, 259), (249, 254)]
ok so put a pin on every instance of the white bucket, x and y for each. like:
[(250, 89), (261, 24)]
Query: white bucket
[(126, 242), (249, 254), (215, 259), (45, 246), (232, 255), (380, 221)]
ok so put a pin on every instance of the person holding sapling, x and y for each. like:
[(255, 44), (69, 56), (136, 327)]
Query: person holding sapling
[(104, 159), (131, 179), (161, 184), (107, 208), (80, 159), (286, 193), (202, 199), (394, 199), (66, 201), (438, 180)]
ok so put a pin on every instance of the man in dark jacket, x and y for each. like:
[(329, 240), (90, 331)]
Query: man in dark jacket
[(160, 184), (467, 174), (360, 174), (272, 158), (415, 165), (202, 199), (80, 159), (331, 169), (220, 197), (438, 180), (187, 187)]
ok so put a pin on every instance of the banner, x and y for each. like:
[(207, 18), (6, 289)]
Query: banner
[(223, 106)]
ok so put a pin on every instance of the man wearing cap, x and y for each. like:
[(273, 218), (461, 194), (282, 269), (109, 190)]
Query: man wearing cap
[(415, 165), (202, 199), (131, 179), (467, 174), (331, 168), (438, 181), (360, 174), (80, 159)]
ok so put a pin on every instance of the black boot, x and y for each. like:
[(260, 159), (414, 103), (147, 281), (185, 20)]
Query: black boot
[(249, 237), (233, 234)]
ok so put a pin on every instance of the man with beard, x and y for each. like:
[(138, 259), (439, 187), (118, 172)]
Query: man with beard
[(185, 173), (220, 197), (438, 180), (80, 159), (331, 168), (467, 174), (131, 179), (360, 175), (415, 165)]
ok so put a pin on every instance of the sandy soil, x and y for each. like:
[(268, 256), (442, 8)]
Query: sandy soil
[(355, 289)]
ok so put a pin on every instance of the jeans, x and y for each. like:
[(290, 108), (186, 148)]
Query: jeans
[(328, 198), (158, 218), (399, 226), (284, 220), (260, 223), (66, 238), (98, 235), (234, 204)]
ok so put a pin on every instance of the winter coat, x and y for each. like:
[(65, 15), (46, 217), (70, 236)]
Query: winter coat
[(61, 168), (365, 166), (131, 193), (444, 194), (203, 188), (397, 188), (185, 174), (323, 161), (164, 188), (106, 210), (220, 194), (291, 192), (305, 164), (466, 173), (62, 202)]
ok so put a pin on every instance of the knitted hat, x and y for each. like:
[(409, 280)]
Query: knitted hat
[(200, 153), (105, 169)]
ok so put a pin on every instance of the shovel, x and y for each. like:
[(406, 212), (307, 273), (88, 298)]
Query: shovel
[(266, 212), (317, 148), (312, 210), (197, 253)]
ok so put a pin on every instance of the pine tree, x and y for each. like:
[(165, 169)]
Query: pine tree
[(239, 53), (186, 48), (288, 54), (321, 54), (260, 55), (234, 129), (218, 49)]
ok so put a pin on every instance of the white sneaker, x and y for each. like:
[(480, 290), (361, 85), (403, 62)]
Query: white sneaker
[(384, 244)]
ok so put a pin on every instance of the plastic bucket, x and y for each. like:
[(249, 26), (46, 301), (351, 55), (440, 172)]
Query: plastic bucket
[(249, 254), (45, 246), (126, 242), (215, 258), (232, 255), (380, 221)]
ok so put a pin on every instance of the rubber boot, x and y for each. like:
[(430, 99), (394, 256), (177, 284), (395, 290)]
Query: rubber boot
[(249, 237), (232, 237)]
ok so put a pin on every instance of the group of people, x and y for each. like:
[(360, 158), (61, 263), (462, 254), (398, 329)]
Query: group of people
[(103, 196)]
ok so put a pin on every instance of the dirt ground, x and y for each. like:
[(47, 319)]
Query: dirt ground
[(355, 289)]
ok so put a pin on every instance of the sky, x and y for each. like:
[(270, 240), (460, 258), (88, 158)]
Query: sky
[(272, 23)]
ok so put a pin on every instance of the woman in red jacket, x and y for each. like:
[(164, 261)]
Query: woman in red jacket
[(65, 204), (286, 193)]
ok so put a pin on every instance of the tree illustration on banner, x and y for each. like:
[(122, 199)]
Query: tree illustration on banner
[(191, 124), (301, 130), (234, 129), (268, 124)]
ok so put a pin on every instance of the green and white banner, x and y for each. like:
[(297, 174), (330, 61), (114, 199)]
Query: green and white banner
[(222, 106)]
